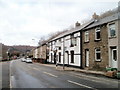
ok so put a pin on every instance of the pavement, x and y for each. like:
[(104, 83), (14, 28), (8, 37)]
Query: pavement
[(5, 74), (96, 73)]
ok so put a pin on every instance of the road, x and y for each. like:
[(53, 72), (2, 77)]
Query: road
[(26, 75)]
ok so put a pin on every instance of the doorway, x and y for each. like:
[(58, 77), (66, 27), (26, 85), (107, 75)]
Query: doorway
[(86, 57)]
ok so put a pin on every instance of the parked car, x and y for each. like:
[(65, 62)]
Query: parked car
[(28, 60), (23, 59)]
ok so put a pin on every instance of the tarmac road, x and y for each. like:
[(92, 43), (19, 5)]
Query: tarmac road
[(26, 75)]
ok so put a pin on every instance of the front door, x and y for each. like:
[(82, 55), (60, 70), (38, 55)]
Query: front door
[(87, 58), (55, 58), (114, 58)]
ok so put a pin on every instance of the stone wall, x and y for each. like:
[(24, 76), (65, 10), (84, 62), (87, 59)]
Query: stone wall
[(92, 44)]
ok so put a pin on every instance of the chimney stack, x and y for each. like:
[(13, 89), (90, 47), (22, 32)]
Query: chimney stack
[(77, 24), (95, 16)]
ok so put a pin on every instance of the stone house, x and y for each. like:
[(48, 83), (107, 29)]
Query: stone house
[(97, 43)]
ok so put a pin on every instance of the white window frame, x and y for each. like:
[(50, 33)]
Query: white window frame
[(73, 40), (96, 31), (96, 54), (111, 24), (86, 36), (116, 54)]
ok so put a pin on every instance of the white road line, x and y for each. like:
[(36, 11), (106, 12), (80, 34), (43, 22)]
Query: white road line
[(81, 84), (50, 74), (90, 79)]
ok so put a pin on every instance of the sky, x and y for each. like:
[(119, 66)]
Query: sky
[(24, 22)]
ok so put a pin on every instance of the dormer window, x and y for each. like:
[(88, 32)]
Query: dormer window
[(97, 34)]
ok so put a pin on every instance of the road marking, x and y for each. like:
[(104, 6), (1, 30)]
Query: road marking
[(50, 74), (81, 84), (89, 79)]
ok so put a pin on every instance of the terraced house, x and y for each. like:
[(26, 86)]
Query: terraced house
[(100, 42), (66, 48), (92, 45)]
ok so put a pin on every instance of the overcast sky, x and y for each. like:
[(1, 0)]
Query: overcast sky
[(24, 20)]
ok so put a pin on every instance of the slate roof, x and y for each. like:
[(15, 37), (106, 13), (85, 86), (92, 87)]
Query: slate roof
[(89, 24), (76, 29), (111, 18)]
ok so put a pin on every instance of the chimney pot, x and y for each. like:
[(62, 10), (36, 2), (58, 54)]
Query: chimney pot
[(77, 24)]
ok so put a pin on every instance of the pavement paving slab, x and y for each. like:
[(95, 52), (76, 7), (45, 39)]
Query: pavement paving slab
[(5, 74)]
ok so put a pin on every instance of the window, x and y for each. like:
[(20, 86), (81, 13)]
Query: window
[(97, 34), (73, 41), (59, 48), (72, 56), (97, 54), (86, 36), (59, 56), (112, 30), (114, 54)]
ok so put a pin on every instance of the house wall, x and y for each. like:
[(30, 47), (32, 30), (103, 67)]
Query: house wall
[(118, 44), (76, 50), (119, 38), (44, 47), (51, 53), (92, 44), (4, 52), (113, 41), (65, 44), (33, 53), (36, 53)]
